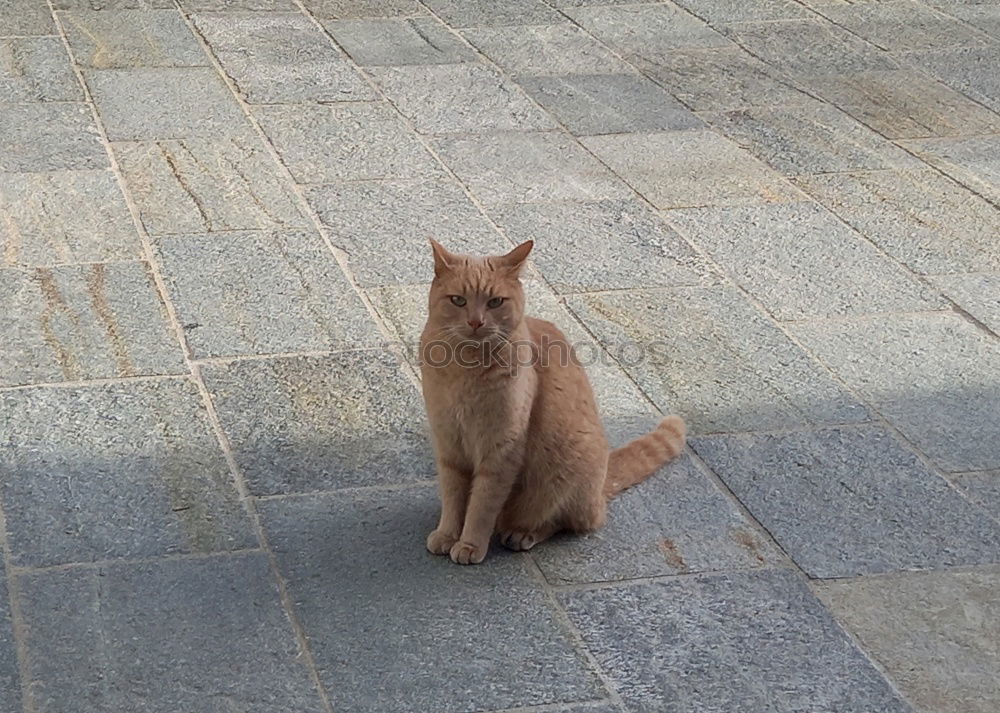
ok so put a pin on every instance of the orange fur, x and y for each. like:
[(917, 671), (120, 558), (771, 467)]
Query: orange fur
[(519, 443)]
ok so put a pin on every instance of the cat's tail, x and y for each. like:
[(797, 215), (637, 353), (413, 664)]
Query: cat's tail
[(637, 460)]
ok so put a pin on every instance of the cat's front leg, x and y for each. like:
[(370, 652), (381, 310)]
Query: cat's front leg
[(454, 488), (490, 490)]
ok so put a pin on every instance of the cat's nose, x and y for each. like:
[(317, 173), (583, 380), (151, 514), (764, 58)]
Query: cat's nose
[(475, 323)]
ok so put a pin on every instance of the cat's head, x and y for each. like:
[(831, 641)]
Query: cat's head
[(477, 298)]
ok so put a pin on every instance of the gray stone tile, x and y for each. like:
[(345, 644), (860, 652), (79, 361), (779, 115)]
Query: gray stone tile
[(709, 356), (905, 104), (809, 47), (77, 322), (262, 292), (674, 646), (603, 245), (979, 295), (188, 635), (49, 137), (118, 39), (983, 489), (447, 98), (985, 18), (352, 142), (235, 5), (690, 168), (10, 684), (801, 262), (305, 424), (26, 17), (524, 168), (115, 470), (921, 218), (651, 32), (974, 162), (545, 50), (281, 58), (36, 69), (609, 103), (207, 185), (970, 70), (904, 25), (115, 4), (935, 634), (584, 3), (723, 12), (487, 13), (813, 138), (64, 216), (354, 9), (165, 103), (934, 377), (353, 565), (720, 78), (851, 501), (384, 227), (677, 522), (394, 42)]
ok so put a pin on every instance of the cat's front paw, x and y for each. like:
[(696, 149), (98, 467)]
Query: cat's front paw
[(440, 543), (468, 553)]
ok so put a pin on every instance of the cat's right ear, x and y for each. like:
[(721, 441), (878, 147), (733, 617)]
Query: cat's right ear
[(443, 260)]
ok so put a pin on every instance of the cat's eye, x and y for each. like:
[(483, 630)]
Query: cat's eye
[(495, 302), (458, 300)]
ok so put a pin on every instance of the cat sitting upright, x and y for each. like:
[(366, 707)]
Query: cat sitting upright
[(519, 444)]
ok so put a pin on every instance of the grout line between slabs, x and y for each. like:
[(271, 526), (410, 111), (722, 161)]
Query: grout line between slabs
[(26, 570)]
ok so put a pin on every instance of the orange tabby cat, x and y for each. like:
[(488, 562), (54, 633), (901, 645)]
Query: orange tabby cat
[(520, 446)]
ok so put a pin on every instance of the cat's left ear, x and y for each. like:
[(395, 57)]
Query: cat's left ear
[(514, 260), (443, 260)]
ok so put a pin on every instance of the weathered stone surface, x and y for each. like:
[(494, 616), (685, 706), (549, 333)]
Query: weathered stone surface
[(63, 217), (813, 138), (354, 565), (674, 645), (306, 424), (116, 39), (323, 144), (450, 98), (394, 42), (984, 17), (722, 12), (603, 245), (34, 69), (851, 501), (903, 104), (524, 168), (115, 470), (196, 185), (125, 4), (709, 356), (10, 685), (262, 292), (281, 58), (690, 168), (545, 50), (26, 17), (720, 78), (354, 9), (904, 25), (609, 103), (171, 634), (809, 47), (920, 217), (979, 295), (934, 377), (223, 5), (77, 322), (974, 162), (801, 262), (982, 488), (935, 633), (677, 522), (487, 13), (49, 137), (648, 31), (384, 227), (165, 103), (970, 70)]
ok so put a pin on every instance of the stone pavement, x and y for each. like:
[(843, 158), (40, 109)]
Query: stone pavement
[(214, 474)]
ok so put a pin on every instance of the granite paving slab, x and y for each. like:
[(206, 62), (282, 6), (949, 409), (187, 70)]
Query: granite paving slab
[(488, 13), (545, 50), (34, 69), (307, 424), (26, 17), (905, 25), (967, 69), (355, 9), (78, 322), (724, 12), (10, 685), (115, 470), (49, 137), (119, 39), (979, 295), (982, 488), (399, 41), (974, 162)]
